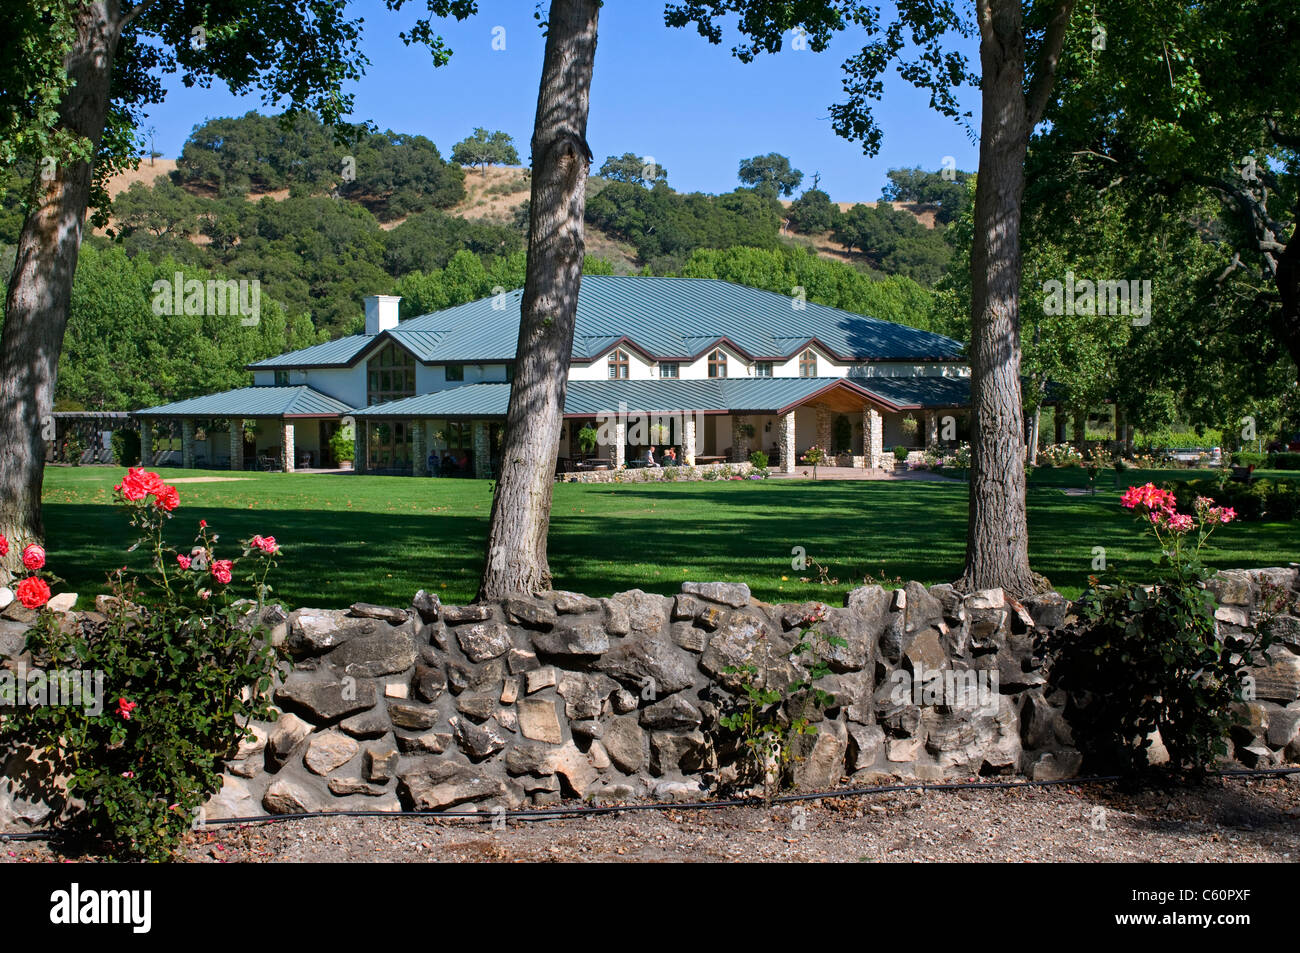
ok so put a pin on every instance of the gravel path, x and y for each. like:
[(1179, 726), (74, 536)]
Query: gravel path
[(1223, 820)]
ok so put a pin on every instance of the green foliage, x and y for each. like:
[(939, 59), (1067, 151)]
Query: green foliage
[(900, 453), (758, 459), (342, 444), (1262, 499), (633, 169), (813, 213), (778, 702), (841, 435), (1245, 458), (485, 148), (176, 653), (587, 438), (894, 241), (1284, 460), (1153, 658), (950, 194), (770, 175)]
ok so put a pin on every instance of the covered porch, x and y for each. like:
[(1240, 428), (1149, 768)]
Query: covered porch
[(251, 428)]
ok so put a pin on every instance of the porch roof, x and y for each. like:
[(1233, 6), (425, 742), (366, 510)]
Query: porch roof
[(771, 395), (251, 402)]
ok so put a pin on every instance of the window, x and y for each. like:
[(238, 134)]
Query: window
[(763, 369), (281, 378), (618, 365), (510, 371), (390, 375), (455, 372), (717, 363), (669, 370), (808, 364)]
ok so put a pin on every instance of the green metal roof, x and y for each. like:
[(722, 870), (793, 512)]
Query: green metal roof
[(664, 318), (297, 401), (726, 395)]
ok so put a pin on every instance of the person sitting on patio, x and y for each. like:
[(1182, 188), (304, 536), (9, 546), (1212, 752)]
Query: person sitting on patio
[(650, 457), (670, 457), (434, 466)]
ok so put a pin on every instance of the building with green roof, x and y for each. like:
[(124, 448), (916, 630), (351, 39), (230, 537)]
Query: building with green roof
[(712, 369)]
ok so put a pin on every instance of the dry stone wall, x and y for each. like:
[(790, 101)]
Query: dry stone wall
[(526, 702)]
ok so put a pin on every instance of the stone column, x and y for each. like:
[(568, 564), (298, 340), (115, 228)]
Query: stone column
[(482, 452), (688, 440), (236, 443), (824, 430), (785, 440), (618, 452), (287, 451), (931, 429), (873, 436), (419, 451), (359, 446), (187, 444), (739, 438), (146, 443)]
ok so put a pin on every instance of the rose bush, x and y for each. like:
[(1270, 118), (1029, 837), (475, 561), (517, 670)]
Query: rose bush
[(1150, 657), (184, 652)]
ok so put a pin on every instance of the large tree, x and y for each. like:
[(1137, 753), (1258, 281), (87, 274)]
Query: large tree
[(1019, 48), (521, 504), (71, 94)]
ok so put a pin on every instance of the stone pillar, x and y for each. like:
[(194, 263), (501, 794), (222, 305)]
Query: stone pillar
[(359, 446), (146, 443), (236, 443), (740, 439), (873, 437), (824, 431), (785, 440), (187, 444), (688, 440), (288, 452), (482, 451), (419, 451), (618, 452), (931, 429)]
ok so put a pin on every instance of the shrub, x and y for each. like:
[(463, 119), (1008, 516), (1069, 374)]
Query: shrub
[(900, 453), (184, 667), (1245, 458), (126, 447), (758, 459), (1151, 658), (815, 456), (1284, 460), (343, 444), (1261, 499), (1059, 455)]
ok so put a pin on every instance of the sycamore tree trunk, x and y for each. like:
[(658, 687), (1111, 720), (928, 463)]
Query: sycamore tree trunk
[(40, 289), (521, 506), (997, 535)]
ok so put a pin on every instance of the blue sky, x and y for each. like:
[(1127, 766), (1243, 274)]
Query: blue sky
[(656, 91)]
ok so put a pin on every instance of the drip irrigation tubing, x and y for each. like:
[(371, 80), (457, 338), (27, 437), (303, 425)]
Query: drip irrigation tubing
[(592, 810)]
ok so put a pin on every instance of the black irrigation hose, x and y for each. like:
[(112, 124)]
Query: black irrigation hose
[(556, 813)]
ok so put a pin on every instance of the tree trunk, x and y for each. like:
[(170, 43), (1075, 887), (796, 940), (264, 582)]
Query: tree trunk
[(40, 289), (521, 506), (1287, 278), (997, 538)]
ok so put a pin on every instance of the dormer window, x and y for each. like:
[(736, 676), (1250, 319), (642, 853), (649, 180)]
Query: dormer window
[(717, 363), (669, 370), (618, 365), (808, 364)]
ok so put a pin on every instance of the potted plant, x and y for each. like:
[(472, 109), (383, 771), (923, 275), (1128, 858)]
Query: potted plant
[(341, 445), (587, 437), (900, 457)]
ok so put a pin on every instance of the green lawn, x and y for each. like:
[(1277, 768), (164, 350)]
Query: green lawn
[(353, 538)]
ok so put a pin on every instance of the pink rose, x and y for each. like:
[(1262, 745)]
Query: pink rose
[(183, 560), (221, 570)]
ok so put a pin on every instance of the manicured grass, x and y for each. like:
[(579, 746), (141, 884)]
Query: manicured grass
[(353, 538)]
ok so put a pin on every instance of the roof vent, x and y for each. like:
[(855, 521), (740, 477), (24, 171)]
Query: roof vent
[(381, 313)]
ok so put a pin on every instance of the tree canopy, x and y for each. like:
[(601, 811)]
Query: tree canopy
[(485, 148)]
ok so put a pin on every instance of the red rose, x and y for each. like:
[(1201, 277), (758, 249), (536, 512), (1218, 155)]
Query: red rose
[(167, 498), (33, 557), (265, 543), (33, 592), (221, 570), (124, 708), (203, 524), (183, 560), (4, 545)]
